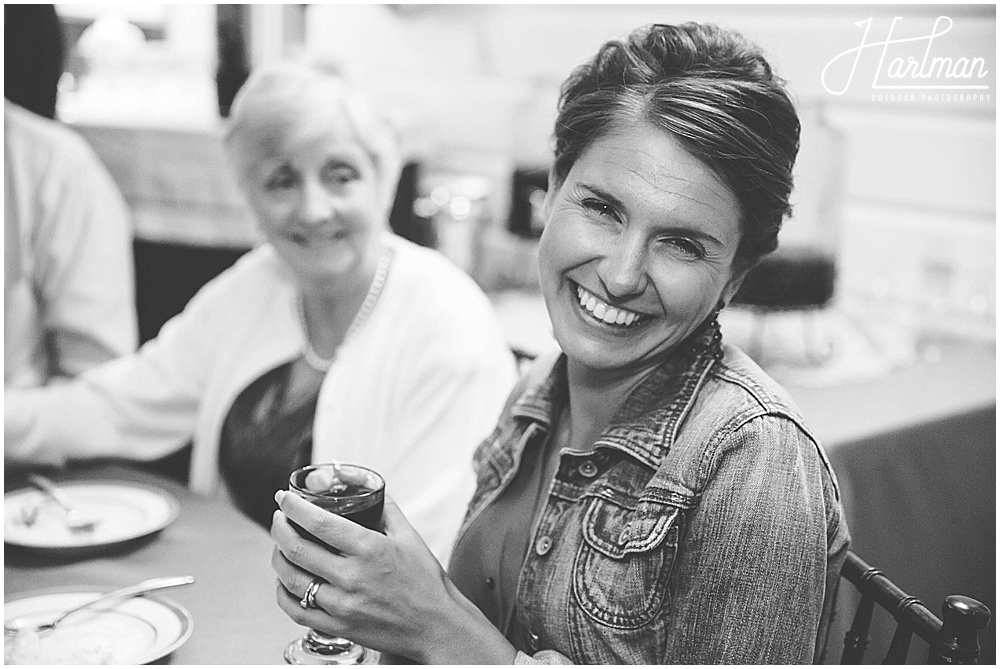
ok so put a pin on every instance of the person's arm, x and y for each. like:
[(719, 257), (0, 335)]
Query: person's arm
[(750, 576), (386, 592), (141, 406), (84, 271)]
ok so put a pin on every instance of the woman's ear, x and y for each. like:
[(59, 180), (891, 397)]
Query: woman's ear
[(733, 286), (550, 194), (389, 173)]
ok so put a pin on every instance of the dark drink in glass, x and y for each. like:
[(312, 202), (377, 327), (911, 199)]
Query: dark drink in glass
[(358, 504), (355, 493)]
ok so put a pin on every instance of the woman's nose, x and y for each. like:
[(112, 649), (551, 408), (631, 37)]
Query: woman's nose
[(623, 268), (317, 205)]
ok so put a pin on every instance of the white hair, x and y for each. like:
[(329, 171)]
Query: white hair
[(282, 96)]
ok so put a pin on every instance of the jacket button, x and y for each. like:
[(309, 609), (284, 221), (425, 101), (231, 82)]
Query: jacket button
[(587, 469), (532, 642), (543, 545)]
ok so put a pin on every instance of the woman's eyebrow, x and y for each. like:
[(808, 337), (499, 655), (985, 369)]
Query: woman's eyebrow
[(692, 232), (339, 161), (619, 205), (604, 195)]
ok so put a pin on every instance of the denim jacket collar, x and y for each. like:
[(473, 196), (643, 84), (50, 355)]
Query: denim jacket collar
[(646, 425)]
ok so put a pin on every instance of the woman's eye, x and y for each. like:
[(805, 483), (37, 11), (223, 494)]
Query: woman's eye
[(339, 174), (599, 207), (281, 179), (685, 247)]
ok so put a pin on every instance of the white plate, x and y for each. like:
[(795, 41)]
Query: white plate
[(130, 631), (125, 511)]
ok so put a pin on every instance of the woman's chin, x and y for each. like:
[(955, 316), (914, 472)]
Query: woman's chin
[(596, 344), (593, 353), (595, 349), (317, 264)]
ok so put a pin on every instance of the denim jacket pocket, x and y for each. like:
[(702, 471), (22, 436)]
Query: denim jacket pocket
[(627, 554)]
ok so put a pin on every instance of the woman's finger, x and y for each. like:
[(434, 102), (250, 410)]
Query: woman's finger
[(295, 579), (340, 533), (319, 618), (295, 582), (306, 554)]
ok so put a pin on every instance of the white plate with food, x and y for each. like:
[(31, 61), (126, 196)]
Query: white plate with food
[(139, 630), (122, 512)]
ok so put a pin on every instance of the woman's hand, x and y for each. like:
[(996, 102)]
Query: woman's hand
[(386, 592)]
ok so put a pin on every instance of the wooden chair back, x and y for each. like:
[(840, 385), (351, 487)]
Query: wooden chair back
[(952, 639)]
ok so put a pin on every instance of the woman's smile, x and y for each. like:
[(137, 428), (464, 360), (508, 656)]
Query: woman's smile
[(317, 237), (601, 312)]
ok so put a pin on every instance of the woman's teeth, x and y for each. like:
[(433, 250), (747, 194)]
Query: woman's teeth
[(316, 237), (604, 312)]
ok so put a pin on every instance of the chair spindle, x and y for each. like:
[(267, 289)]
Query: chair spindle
[(899, 647), (856, 640)]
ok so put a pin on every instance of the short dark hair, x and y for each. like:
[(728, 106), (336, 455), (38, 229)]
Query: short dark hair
[(714, 90)]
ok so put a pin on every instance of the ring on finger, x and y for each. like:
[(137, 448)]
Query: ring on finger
[(308, 600)]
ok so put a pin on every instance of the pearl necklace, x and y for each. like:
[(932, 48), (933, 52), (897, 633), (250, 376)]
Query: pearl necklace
[(309, 354)]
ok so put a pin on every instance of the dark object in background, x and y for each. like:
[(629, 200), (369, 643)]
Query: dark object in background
[(403, 220), (33, 57), (528, 188), (166, 277), (231, 26), (796, 278)]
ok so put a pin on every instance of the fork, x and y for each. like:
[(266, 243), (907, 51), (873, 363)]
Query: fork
[(17, 626), (75, 520)]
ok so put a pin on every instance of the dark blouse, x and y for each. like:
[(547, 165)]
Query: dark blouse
[(486, 562), (266, 436)]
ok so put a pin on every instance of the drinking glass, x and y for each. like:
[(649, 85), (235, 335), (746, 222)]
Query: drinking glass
[(358, 494)]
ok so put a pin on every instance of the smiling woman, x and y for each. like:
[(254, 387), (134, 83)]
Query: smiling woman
[(639, 230), (334, 340), (321, 188), (649, 495)]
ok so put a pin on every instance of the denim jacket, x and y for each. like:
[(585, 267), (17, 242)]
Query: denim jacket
[(704, 525)]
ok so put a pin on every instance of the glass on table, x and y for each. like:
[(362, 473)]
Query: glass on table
[(358, 494)]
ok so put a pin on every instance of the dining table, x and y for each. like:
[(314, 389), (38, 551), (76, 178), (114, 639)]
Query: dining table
[(231, 602)]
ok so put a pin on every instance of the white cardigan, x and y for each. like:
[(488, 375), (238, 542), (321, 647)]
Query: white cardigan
[(411, 394)]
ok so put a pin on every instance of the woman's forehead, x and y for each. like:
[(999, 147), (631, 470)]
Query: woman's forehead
[(280, 131), (654, 155)]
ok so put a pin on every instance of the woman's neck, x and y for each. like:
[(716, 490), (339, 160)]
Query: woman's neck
[(594, 399), (329, 311)]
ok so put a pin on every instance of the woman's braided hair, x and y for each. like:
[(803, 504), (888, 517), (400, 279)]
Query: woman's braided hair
[(715, 92)]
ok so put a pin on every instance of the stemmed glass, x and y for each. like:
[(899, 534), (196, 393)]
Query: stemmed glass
[(355, 493)]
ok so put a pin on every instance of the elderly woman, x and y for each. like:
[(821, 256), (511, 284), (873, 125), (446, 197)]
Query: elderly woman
[(333, 340), (649, 496)]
